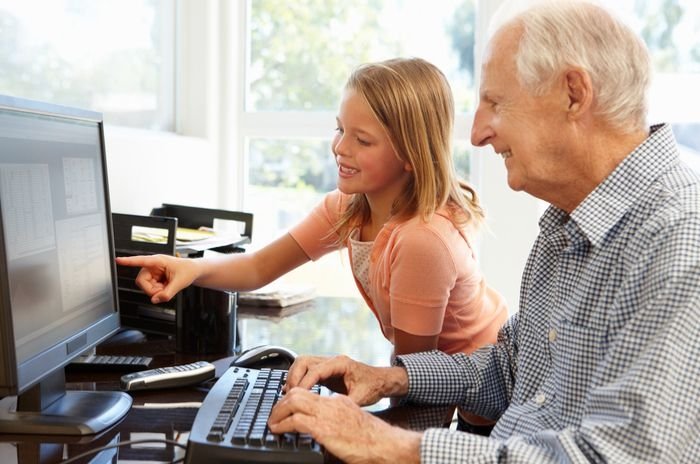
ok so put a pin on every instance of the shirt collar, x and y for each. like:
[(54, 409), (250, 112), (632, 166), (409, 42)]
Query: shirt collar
[(621, 189)]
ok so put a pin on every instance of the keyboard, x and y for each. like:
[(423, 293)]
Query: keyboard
[(96, 362), (231, 425)]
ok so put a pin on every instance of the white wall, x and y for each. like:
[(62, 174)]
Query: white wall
[(511, 229), (511, 216), (149, 168)]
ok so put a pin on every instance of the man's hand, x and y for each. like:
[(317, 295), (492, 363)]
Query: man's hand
[(362, 383), (345, 430)]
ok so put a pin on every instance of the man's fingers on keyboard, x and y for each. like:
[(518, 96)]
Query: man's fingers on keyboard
[(335, 368), (296, 372), (302, 373), (294, 412)]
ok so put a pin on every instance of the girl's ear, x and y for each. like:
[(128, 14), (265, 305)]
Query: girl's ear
[(407, 166)]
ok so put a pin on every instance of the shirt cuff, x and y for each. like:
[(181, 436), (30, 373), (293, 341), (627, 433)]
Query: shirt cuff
[(433, 378)]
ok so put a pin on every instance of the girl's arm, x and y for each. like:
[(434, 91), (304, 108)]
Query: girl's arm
[(405, 343), (161, 276), (249, 271)]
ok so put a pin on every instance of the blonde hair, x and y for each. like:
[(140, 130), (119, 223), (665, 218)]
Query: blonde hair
[(580, 33), (412, 100)]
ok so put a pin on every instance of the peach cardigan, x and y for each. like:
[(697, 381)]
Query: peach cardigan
[(423, 277)]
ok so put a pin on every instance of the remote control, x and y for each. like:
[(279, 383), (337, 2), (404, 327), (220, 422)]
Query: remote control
[(169, 377), (102, 363)]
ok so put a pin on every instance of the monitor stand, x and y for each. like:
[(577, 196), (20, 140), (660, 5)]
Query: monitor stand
[(48, 409)]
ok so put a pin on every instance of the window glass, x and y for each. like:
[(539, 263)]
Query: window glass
[(462, 158), (287, 178), (668, 28), (112, 56), (301, 52)]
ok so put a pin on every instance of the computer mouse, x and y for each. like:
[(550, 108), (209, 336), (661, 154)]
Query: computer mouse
[(265, 356), (125, 337)]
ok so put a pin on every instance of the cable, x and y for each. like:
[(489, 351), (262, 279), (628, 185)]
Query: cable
[(123, 443)]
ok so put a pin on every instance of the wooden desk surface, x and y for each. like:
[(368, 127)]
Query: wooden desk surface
[(326, 326)]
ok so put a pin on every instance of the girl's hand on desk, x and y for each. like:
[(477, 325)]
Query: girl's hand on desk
[(162, 276), (362, 383)]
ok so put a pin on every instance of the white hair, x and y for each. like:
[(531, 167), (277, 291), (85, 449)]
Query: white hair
[(562, 34)]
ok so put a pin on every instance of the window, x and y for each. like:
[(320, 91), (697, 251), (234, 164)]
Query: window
[(113, 56), (298, 58), (668, 30)]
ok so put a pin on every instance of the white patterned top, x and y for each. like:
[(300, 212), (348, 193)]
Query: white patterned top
[(361, 252)]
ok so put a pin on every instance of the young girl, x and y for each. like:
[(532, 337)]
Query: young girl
[(399, 210)]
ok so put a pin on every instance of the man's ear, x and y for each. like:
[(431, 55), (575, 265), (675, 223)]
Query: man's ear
[(580, 92)]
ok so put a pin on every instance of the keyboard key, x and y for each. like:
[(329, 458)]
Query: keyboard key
[(288, 440), (304, 441)]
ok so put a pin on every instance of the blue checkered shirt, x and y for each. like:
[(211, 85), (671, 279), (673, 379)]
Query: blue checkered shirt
[(602, 362)]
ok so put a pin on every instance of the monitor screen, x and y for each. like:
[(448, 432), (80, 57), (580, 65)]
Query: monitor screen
[(58, 296)]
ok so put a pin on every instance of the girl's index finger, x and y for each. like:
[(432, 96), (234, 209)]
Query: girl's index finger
[(136, 261)]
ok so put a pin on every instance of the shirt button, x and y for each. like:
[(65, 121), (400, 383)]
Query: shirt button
[(552, 335), (540, 398)]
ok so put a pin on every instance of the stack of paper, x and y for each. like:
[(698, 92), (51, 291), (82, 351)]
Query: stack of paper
[(188, 240), (277, 295)]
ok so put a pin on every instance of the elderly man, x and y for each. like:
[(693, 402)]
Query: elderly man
[(602, 361)]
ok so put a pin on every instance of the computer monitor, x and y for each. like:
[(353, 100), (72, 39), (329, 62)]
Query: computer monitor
[(58, 293)]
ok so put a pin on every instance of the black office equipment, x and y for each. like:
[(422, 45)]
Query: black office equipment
[(202, 321), (135, 307), (193, 218), (231, 425), (58, 293)]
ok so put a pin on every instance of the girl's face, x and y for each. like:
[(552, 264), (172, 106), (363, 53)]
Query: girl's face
[(367, 162)]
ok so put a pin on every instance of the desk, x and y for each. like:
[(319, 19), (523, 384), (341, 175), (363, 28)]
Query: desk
[(326, 326)]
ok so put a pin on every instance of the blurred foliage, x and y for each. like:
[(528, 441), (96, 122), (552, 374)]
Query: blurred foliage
[(293, 163), (301, 54), (661, 23), (34, 69), (462, 30), (38, 72), (302, 51)]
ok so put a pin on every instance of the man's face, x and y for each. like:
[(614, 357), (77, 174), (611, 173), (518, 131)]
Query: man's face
[(528, 132)]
